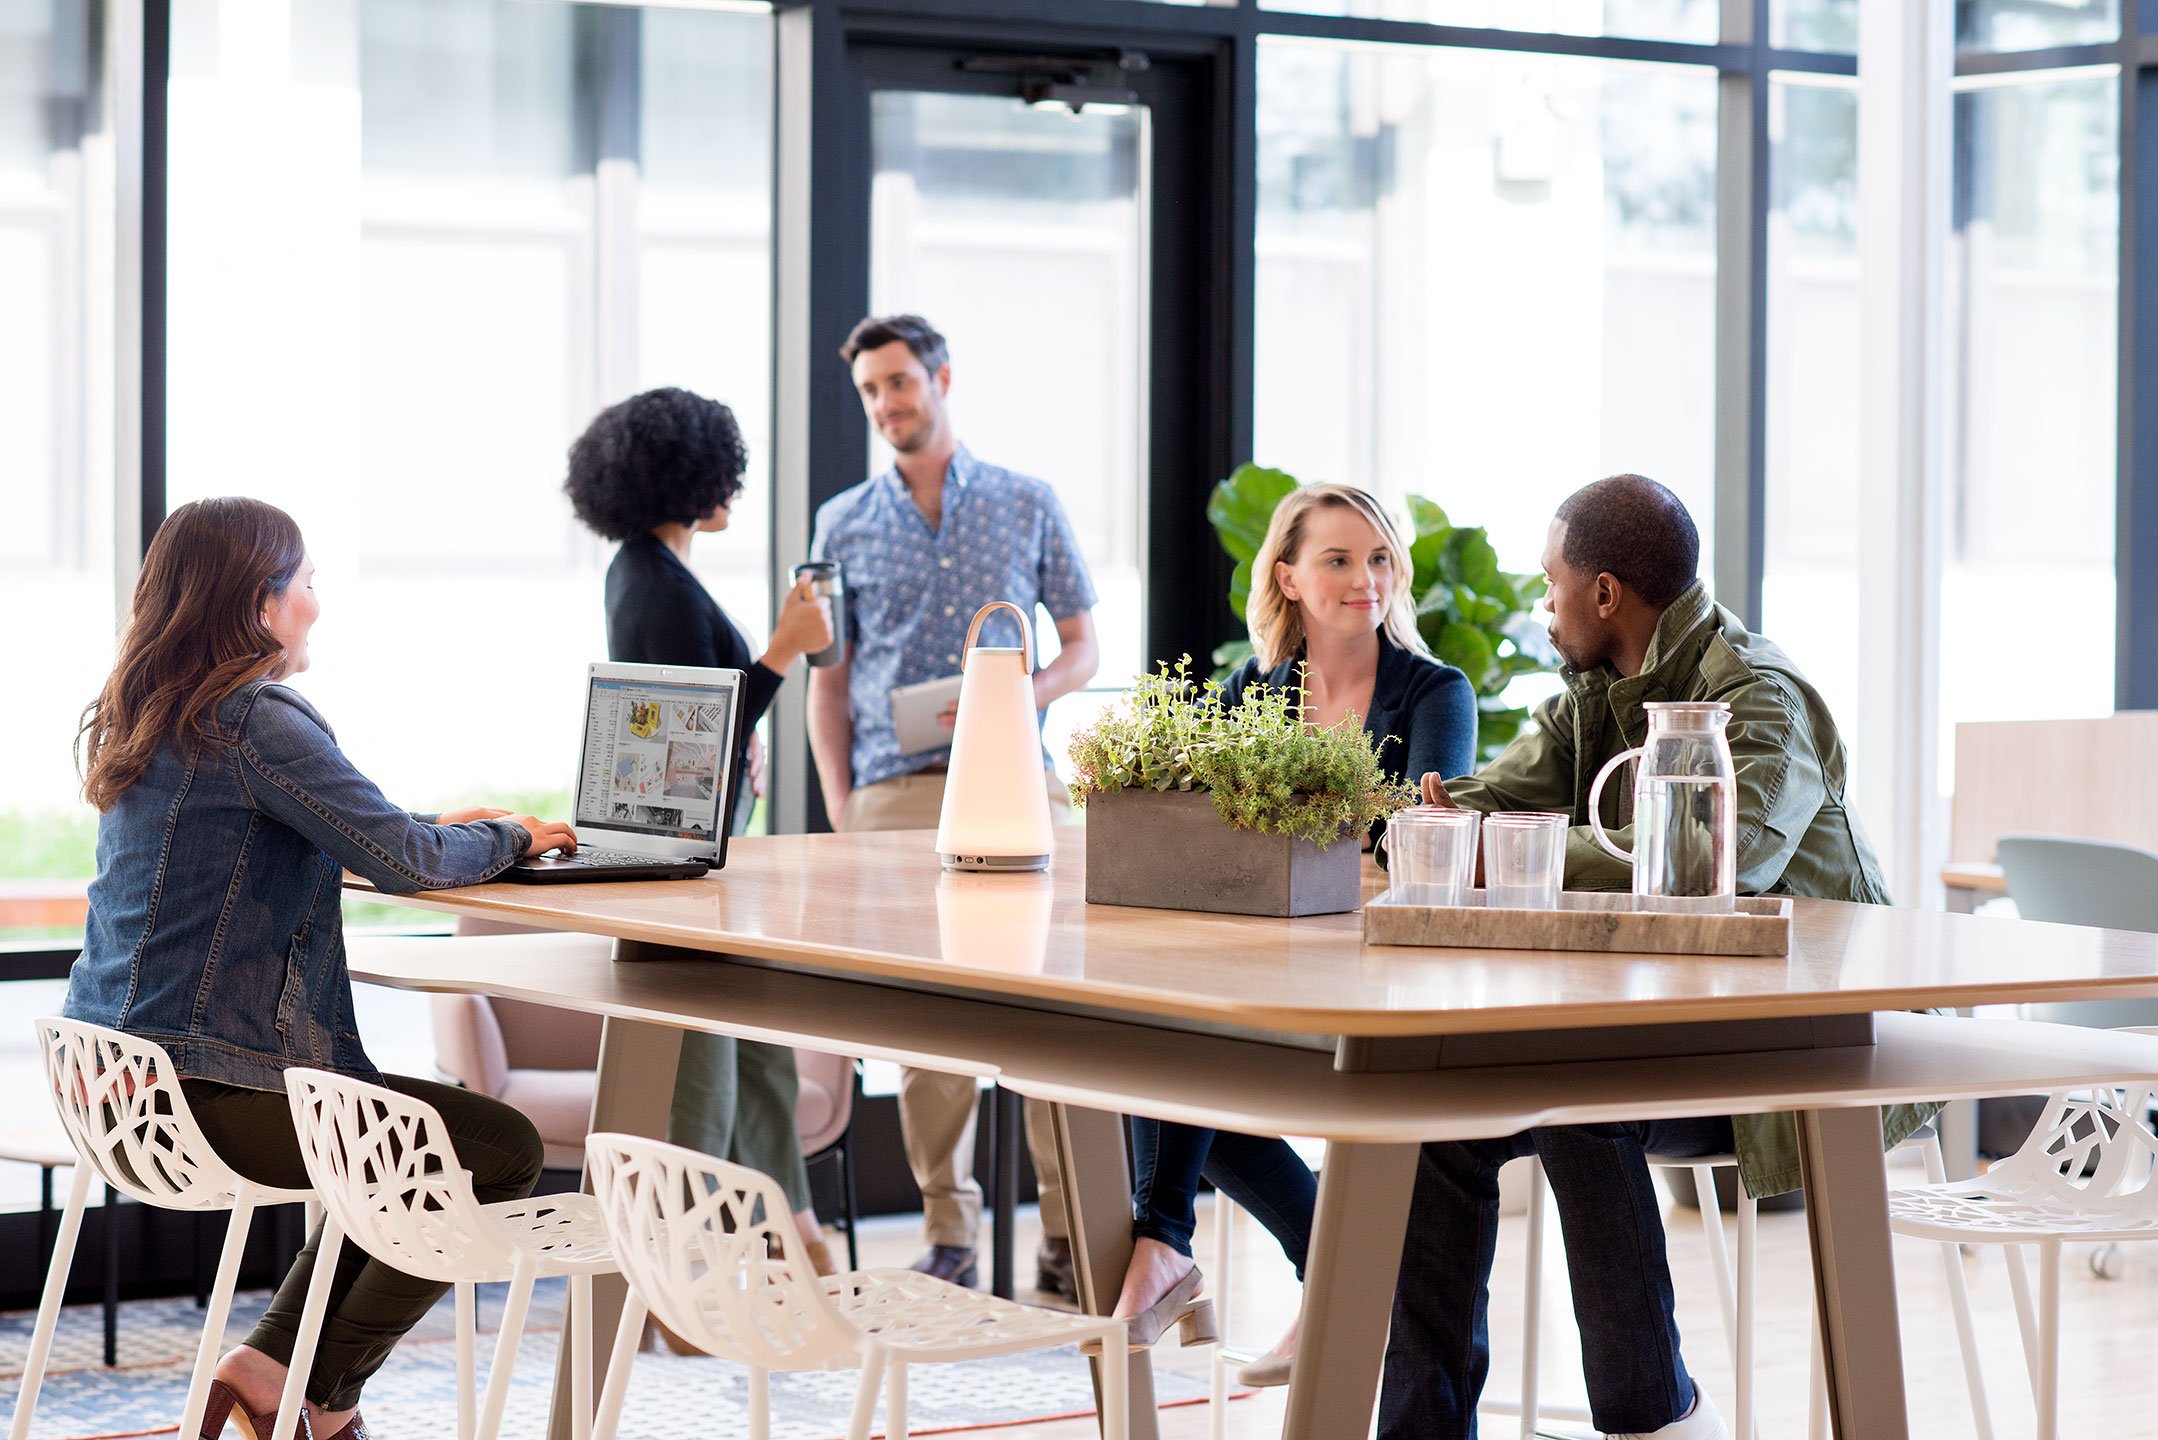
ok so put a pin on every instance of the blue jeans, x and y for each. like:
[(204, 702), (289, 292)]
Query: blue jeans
[(1440, 1350), (1261, 1173)]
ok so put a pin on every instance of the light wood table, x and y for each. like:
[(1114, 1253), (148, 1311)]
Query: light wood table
[(858, 945), (1971, 883)]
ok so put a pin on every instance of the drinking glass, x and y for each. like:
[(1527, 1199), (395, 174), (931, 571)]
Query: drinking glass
[(1524, 859), (1431, 855)]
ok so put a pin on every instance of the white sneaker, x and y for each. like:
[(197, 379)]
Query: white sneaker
[(1700, 1423)]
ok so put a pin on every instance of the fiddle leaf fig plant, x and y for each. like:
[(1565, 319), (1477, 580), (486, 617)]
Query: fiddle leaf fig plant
[(1264, 767), (1474, 615)]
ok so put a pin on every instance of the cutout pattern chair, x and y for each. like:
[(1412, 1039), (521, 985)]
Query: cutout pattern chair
[(121, 1105), (2085, 1173), (710, 1249), (390, 1182)]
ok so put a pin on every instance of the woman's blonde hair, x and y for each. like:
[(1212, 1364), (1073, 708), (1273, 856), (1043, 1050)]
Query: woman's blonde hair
[(1277, 624)]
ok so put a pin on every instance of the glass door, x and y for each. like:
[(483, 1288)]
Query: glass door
[(1020, 230)]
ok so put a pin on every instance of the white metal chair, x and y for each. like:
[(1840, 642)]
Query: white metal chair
[(710, 1248), (119, 1099), (390, 1182), (2085, 1173)]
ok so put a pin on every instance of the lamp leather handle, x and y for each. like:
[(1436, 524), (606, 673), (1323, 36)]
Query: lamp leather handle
[(1026, 633)]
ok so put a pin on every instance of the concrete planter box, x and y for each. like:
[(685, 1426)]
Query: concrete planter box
[(1170, 851)]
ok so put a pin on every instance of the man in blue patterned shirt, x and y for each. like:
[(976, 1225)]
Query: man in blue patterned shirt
[(924, 545)]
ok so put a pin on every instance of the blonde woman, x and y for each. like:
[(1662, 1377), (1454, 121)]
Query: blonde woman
[(1330, 594)]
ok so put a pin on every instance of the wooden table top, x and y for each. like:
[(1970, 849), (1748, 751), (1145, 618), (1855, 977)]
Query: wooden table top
[(1979, 875), (879, 906)]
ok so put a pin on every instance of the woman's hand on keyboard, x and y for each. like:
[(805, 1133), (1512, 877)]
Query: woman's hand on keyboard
[(546, 834)]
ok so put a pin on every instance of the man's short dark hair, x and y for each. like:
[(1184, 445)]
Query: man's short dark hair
[(1630, 527), (665, 457), (913, 331)]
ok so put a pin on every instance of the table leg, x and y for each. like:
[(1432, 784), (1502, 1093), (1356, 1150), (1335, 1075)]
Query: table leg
[(1854, 1271), (1364, 1193), (1010, 1135), (635, 1094), (1960, 899), (1097, 1199)]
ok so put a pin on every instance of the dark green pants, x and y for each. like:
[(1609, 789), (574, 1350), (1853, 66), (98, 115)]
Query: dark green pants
[(735, 1099), (371, 1304)]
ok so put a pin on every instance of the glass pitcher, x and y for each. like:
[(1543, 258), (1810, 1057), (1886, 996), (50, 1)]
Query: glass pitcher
[(1685, 810)]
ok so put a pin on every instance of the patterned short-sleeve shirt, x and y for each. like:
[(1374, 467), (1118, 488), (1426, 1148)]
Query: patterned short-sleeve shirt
[(912, 591)]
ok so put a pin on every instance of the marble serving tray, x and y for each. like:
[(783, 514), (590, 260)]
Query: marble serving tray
[(1585, 920)]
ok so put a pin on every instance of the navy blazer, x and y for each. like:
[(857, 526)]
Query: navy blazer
[(1423, 713)]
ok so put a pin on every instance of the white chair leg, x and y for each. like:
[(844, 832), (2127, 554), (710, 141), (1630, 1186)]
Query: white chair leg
[(580, 1358), (213, 1323), (1719, 1253), (1217, 1394), (1743, 1422), (2019, 1284), (514, 1310), (467, 1359), (294, 1400), (760, 1403), (1817, 1388), (619, 1363), (48, 1305), (1115, 1402), (1959, 1301), (895, 1399), (1532, 1303), (865, 1393), (2048, 1393)]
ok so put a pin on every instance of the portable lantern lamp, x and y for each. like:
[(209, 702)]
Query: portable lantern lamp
[(996, 806)]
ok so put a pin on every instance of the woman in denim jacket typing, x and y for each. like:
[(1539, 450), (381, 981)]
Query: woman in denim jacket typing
[(229, 815)]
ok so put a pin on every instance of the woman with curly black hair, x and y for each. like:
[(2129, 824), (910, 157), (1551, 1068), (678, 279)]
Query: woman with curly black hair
[(654, 472)]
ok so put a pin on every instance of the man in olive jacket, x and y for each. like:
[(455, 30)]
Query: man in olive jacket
[(1633, 625)]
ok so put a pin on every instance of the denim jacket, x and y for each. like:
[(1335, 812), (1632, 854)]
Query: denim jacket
[(214, 925)]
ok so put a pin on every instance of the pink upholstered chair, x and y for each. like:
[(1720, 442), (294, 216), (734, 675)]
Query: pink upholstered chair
[(545, 1061)]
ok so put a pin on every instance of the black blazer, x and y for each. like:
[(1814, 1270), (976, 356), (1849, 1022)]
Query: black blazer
[(659, 613), (1423, 713)]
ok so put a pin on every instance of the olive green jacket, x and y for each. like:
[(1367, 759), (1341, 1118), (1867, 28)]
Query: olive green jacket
[(1795, 834)]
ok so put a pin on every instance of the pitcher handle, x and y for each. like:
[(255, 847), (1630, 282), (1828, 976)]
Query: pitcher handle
[(1026, 633), (1596, 821)]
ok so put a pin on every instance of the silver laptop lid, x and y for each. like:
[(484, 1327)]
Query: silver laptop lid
[(656, 771)]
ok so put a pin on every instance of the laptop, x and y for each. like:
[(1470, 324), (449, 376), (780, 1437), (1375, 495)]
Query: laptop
[(655, 780)]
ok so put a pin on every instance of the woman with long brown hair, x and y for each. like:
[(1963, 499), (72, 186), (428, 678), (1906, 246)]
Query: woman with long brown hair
[(228, 816)]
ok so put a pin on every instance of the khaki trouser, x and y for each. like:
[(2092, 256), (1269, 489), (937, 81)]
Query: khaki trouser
[(936, 1111)]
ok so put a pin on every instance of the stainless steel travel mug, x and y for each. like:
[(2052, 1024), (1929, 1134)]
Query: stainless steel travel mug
[(827, 580)]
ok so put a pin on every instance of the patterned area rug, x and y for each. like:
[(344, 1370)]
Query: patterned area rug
[(415, 1395)]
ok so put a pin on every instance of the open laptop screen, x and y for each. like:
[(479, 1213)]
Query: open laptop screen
[(658, 743)]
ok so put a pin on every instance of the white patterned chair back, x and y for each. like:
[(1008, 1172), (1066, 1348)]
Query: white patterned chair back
[(2092, 1152), (119, 1098), (712, 1249), (385, 1171)]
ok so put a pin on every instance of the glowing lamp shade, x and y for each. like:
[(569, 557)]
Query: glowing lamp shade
[(996, 807)]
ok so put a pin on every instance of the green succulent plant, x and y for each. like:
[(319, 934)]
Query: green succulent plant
[(1264, 767), (1474, 615)]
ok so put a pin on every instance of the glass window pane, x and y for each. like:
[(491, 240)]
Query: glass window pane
[(56, 452), (2028, 590), (2035, 24), (1814, 25), (1486, 278), (1810, 583), (1689, 20), (978, 199), (489, 218)]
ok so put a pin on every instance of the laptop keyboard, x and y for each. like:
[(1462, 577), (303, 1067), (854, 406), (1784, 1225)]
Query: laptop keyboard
[(603, 858)]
